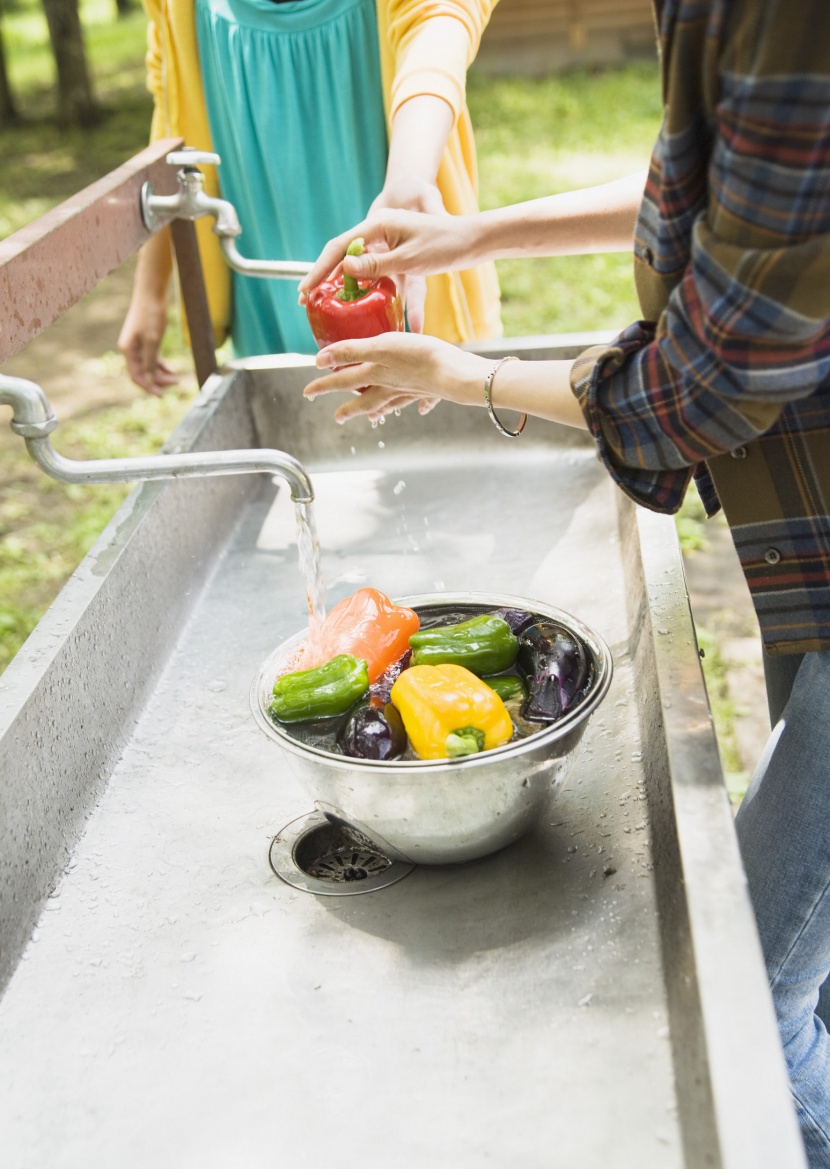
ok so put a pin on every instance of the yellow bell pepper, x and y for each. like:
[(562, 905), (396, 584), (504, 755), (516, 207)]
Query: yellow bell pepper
[(447, 711)]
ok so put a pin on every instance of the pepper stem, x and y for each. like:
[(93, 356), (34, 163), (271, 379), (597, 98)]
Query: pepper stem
[(464, 741), (351, 290)]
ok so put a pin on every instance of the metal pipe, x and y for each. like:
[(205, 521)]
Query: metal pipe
[(192, 202), (275, 269), (34, 420)]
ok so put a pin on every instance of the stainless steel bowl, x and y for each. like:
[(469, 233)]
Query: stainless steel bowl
[(443, 811)]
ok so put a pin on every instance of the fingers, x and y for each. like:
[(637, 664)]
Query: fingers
[(414, 298), (351, 378), (332, 255), (374, 404), (145, 368)]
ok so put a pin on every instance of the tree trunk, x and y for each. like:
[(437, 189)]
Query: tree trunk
[(77, 105), (124, 7), (8, 110)]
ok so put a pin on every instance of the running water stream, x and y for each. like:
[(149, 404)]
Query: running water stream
[(308, 546)]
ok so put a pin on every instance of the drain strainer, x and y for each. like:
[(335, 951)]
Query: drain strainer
[(320, 856)]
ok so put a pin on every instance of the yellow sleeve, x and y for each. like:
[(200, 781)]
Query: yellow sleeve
[(153, 64), (432, 44)]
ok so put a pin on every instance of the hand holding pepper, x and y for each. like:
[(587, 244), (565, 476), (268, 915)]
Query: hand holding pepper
[(340, 308)]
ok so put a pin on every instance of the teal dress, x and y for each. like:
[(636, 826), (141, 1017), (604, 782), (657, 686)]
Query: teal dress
[(295, 106)]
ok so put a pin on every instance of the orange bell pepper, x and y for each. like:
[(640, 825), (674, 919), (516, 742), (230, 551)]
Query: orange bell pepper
[(367, 625)]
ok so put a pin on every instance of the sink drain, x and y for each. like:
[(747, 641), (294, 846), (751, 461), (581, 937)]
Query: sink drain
[(332, 859)]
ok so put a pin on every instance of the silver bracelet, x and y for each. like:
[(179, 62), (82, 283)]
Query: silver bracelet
[(488, 389)]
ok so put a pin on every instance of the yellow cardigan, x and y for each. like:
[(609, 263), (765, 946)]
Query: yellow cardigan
[(415, 59)]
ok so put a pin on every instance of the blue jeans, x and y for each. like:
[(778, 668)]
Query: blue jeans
[(783, 828)]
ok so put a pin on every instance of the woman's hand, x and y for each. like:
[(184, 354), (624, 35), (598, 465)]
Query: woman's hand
[(398, 243), (394, 370)]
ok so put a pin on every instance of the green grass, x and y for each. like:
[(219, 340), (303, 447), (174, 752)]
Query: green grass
[(724, 711), (540, 136), (42, 163), (37, 554)]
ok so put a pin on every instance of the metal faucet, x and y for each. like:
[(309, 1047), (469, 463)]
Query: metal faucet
[(34, 420), (191, 202)]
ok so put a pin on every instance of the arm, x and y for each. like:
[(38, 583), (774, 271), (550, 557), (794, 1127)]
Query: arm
[(428, 48), (745, 331), (596, 219), (395, 370), (420, 129), (146, 321)]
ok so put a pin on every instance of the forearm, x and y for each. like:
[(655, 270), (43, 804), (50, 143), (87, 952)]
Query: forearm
[(595, 219), (420, 129), (154, 267), (396, 365), (539, 388)]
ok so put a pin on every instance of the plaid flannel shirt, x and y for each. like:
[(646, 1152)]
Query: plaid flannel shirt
[(729, 378)]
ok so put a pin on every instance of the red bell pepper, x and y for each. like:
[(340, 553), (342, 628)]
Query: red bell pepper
[(343, 308)]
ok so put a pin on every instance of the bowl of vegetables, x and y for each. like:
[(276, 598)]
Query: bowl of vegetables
[(439, 725)]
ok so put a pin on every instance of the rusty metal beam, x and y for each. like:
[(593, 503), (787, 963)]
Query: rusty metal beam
[(48, 266)]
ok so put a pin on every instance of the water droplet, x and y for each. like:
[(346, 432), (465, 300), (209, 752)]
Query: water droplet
[(399, 487)]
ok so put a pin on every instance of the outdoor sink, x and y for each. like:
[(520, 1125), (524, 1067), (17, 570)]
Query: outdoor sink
[(592, 994)]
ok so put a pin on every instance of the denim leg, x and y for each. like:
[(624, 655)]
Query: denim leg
[(779, 675), (783, 828)]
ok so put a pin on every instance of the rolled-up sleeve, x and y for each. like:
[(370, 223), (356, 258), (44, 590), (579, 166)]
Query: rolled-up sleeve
[(433, 43), (746, 327)]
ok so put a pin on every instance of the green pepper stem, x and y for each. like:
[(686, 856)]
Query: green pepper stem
[(351, 289), (464, 741)]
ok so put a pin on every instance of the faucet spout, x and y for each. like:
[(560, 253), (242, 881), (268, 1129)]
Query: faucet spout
[(34, 420)]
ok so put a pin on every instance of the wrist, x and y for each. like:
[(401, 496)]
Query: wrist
[(472, 374)]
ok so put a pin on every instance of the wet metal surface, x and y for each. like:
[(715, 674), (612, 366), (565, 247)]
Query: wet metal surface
[(178, 1005)]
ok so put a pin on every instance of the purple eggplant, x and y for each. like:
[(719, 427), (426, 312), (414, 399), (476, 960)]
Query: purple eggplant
[(372, 730), (382, 687), (517, 619), (556, 666)]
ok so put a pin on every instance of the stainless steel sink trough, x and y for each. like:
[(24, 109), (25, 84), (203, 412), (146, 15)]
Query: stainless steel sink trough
[(592, 995)]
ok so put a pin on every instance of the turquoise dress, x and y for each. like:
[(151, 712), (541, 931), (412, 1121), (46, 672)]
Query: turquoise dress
[(295, 106)]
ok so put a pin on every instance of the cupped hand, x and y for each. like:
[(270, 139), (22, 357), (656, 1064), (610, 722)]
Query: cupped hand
[(395, 370)]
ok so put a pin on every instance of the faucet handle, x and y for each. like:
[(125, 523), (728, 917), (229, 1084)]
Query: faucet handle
[(191, 157)]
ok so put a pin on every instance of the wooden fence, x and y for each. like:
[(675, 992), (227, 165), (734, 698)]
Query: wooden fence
[(543, 36)]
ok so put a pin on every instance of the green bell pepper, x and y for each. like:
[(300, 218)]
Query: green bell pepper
[(483, 645), (321, 692), (507, 686)]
